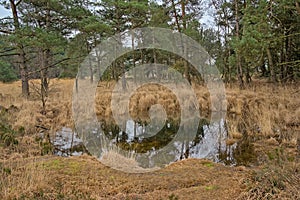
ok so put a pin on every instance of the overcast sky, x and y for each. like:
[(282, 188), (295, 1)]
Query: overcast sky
[(4, 12), (207, 20)]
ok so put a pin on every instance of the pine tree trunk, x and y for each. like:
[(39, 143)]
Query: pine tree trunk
[(98, 59), (123, 75), (21, 56), (185, 50), (298, 7), (133, 54), (238, 57), (271, 66), (23, 73)]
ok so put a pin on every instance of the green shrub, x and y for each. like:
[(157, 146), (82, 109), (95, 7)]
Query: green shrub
[(7, 73), (7, 136)]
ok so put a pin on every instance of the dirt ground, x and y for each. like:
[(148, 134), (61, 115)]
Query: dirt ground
[(28, 171)]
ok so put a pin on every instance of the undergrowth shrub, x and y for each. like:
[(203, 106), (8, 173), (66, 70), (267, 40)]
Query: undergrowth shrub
[(7, 73), (7, 134), (277, 179)]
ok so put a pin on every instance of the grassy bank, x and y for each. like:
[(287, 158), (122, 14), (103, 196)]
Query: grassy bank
[(266, 114)]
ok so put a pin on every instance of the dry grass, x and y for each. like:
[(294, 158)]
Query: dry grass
[(259, 110), (268, 113), (85, 178), (140, 102), (265, 107), (124, 163), (19, 178), (263, 110), (278, 178), (58, 106)]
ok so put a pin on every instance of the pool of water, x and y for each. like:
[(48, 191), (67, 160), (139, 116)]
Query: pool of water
[(67, 143), (147, 141), (209, 143)]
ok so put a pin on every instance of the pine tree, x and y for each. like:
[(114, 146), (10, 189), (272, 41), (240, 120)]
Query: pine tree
[(14, 28)]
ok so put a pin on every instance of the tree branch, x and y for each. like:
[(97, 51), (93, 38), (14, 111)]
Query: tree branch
[(18, 2), (5, 31), (52, 65), (11, 49), (49, 66), (288, 63), (10, 54)]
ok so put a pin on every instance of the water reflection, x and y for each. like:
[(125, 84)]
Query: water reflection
[(141, 139), (209, 143), (67, 143)]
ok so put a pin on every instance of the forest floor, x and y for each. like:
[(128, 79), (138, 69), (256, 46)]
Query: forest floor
[(268, 114)]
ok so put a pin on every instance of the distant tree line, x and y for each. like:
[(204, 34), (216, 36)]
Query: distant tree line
[(45, 39)]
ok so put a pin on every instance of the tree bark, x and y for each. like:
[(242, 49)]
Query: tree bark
[(122, 65), (21, 53), (23, 72), (271, 65), (238, 57), (133, 53), (44, 72), (98, 60), (184, 27), (298, 7), (175, 15)]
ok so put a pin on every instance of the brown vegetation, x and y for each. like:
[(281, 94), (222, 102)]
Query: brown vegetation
[(266, 114)]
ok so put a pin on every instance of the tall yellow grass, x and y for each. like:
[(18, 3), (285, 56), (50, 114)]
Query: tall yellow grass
[(58, 105), (18, 177), (262, 109)]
